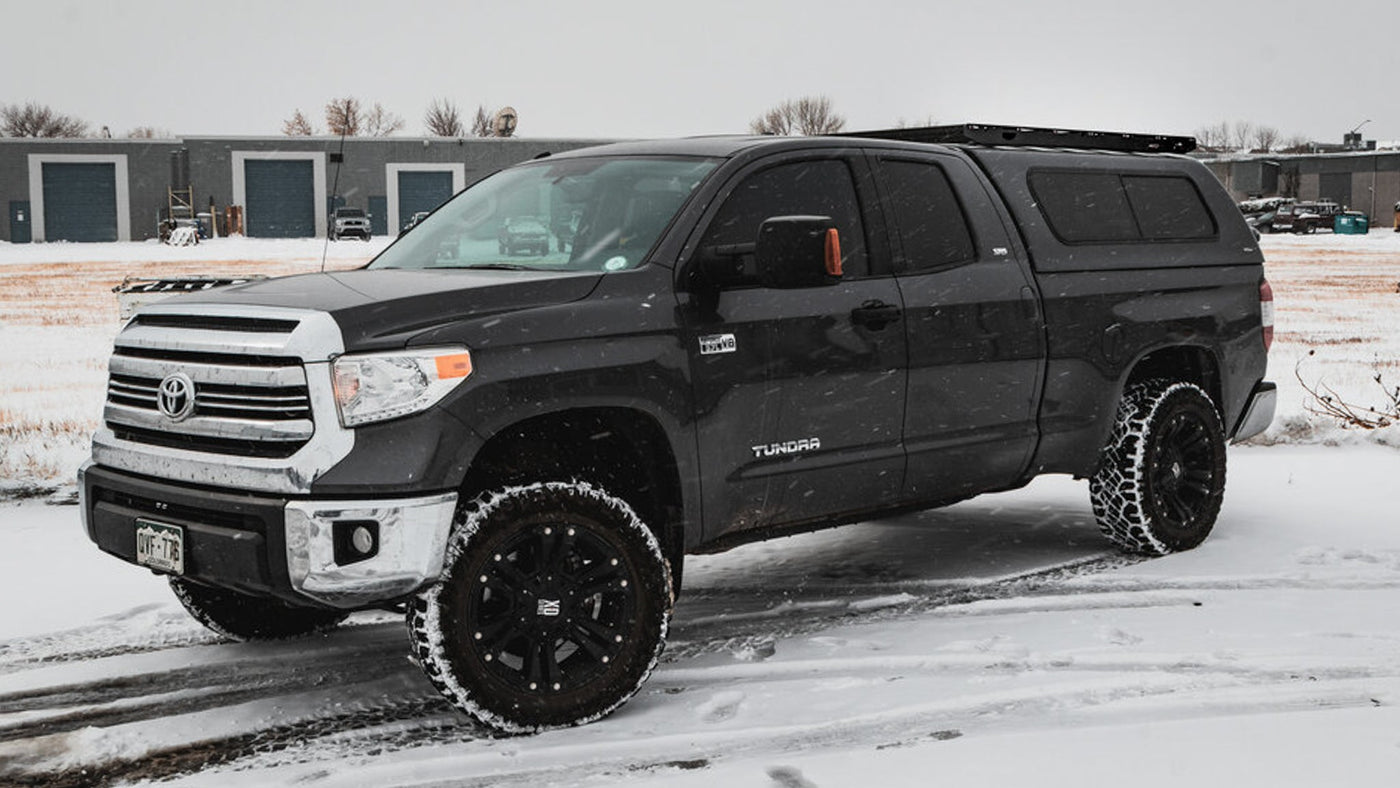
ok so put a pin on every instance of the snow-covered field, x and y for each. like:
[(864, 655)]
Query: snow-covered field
[(996, 642)]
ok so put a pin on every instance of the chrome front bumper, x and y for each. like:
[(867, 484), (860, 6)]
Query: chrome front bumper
[(410, 548)]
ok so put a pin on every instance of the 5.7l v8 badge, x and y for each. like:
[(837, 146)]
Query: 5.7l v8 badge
[(718, 343)]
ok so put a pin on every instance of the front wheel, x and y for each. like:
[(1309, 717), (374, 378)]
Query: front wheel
[(552, 610), (243, 617), (1161, 478)]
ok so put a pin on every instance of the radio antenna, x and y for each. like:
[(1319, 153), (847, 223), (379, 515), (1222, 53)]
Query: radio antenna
[(335, 194)]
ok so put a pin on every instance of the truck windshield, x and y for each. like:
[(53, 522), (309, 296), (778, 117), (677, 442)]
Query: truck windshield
[(589, 214)]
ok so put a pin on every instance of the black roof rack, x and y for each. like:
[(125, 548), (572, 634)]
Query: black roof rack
[(986, 134)]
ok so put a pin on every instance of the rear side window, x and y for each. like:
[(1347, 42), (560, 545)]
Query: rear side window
[(805, 188), (931, 225), (1168, 208), (1107, 207)]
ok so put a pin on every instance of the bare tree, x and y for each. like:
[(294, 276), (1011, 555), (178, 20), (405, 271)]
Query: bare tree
[(809, 115), (1241, 135), (344, 117), (1214, 138), (815, 116), (379, 122), (481, 123), (443, 119), (298, 126), (39, 120), (1265, 138), (776, 121), (905, 123), (149, 133), (1296, 143)]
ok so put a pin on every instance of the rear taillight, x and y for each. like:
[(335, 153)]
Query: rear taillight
[(1266, 312)]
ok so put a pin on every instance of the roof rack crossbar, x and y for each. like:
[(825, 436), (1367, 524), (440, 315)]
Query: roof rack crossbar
[(1025, 136)]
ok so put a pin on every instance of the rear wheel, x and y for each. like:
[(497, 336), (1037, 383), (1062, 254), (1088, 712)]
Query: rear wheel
[(243, 617), (552, 610), (1161, 478)]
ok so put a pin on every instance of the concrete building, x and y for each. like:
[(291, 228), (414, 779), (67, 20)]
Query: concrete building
[(1365, 181), (117, 190)]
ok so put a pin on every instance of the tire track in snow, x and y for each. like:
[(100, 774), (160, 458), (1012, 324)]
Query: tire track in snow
[(182, 691), (910, 724), (424, 720), (155, 694), (115, 639), (813, 608)]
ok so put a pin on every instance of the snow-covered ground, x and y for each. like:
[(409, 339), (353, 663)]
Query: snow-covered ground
[(991, 643), (996, 642)]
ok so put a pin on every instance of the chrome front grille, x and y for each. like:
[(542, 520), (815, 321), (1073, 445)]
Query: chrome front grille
[(262, 415), (239, 401)]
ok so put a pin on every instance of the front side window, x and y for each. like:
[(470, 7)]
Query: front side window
[(804, 188), (588, 214)]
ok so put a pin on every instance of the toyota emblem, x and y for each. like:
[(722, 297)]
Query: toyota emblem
[(175, 398)]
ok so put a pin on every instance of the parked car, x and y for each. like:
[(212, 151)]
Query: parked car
[(525, 233), (349, 222), (750, 336), (1305, 217), (413, 221)]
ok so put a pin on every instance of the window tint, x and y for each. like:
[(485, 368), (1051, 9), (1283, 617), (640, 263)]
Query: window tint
[(1090, 207), (930, 223), (1084, 206), (806, 188), (1168, 208)]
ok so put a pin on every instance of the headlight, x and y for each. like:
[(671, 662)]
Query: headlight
[(378, 386)]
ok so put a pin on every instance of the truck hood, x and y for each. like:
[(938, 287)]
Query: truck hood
[(382, 309)]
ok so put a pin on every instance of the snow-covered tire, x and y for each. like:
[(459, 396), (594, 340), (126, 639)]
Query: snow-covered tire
[(551, 611), (1161, 478), (243, 617)]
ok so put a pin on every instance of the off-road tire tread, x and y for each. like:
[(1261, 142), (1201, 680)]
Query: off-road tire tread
[(503, 506), (1117, 489)]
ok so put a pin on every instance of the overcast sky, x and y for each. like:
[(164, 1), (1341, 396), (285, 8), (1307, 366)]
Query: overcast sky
[(657, 68)]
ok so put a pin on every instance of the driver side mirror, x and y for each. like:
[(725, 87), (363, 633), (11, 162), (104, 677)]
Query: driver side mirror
[(798, 251)]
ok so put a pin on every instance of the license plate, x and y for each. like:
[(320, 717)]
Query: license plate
[(160, 546)]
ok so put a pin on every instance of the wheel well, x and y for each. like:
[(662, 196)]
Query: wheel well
[(1188, 364), (624, 451)]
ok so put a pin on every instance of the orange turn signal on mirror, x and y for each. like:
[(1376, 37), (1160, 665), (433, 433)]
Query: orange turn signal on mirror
[(833, 252), (457, 365)]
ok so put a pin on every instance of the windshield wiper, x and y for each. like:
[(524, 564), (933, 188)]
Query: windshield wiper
[(484, 267)]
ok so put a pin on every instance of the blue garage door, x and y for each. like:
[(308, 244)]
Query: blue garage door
[(281, 198), (80, 202), (379, 214), (422, 191)]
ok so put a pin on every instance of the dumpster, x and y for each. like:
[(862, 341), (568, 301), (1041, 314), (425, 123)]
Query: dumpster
[(1351, 223)]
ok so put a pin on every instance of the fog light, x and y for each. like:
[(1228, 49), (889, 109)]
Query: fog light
[(362, 539), (355, 540)]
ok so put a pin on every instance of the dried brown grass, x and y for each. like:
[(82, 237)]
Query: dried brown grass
[(80, 294)]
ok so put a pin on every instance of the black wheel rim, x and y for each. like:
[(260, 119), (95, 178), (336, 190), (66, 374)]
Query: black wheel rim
[(550, 607), (1182, 471)]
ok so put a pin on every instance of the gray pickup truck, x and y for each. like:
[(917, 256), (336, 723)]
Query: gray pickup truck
[(742, 337)]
